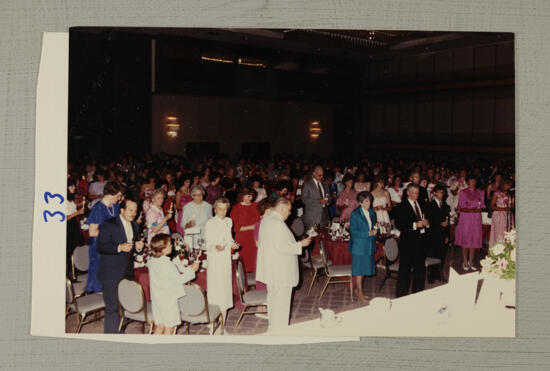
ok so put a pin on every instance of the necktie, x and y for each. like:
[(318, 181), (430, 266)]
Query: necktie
[(320, 190), (417, 211)]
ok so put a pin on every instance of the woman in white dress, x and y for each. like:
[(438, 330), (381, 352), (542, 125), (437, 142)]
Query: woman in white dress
[(382, 201), (167, 285), (219, 243), (396, 190)]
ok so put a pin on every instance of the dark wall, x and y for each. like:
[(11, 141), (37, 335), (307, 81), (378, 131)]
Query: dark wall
[(109, 94), (459, 100)]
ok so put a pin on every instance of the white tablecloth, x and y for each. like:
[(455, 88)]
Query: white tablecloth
[(442, 311)]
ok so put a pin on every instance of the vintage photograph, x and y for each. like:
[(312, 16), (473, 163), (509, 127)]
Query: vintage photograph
[(298, 182)]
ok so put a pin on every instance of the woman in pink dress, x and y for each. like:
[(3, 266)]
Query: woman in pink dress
[(468, 235), (183, 197), (494, 185), (347, 199), (154, 216), (361, 184), (502, 205)]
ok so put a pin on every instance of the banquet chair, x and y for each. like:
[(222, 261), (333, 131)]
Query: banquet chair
[(80, 261), (251, 279), (391, 254), (249, 298), (83, 306), (314, 263), (335, 272), (297, 227), (132, 305), (194, 309)]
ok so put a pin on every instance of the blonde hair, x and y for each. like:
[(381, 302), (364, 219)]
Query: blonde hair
[(158, 191), (159, 243)]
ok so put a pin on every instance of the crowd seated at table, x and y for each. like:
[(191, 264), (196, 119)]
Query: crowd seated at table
[(215, 208)]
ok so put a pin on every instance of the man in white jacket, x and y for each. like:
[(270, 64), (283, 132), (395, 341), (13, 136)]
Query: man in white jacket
[(278, 262)]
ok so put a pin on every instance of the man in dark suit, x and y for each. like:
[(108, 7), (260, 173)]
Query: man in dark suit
[(423, 193), (411, 221), (117, 241), (438, 212), (316, 198)]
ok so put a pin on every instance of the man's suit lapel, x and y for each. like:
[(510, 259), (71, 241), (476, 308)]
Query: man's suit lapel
[(120, 229), (411, 209), (135, 229)]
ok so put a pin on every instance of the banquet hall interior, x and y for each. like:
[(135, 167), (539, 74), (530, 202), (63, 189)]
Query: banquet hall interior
[(263, 108)]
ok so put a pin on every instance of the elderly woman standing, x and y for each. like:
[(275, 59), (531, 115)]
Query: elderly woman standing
[(107, 208), (197, 212), (219, 278), (362, 243), (245, 214), (154, 217)]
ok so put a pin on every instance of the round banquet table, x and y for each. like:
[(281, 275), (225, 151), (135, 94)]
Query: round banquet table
[(337, 250), (141, 275)]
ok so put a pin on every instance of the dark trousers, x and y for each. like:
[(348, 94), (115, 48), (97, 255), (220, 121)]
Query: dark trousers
[(439, 250), (112, 317), (412, 254)]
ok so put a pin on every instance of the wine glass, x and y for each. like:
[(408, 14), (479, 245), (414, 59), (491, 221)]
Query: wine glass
[(181, 251)]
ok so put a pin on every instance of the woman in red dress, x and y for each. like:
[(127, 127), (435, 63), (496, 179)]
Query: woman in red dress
[(245, 214)]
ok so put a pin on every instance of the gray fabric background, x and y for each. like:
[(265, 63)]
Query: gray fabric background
[(21, 25)]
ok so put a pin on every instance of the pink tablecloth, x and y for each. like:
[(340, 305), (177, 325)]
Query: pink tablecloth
[(141, 275)]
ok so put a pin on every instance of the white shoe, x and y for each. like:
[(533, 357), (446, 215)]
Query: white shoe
[(472, 267), (465, 267)]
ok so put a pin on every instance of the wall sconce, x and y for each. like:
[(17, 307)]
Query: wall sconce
[(314, 130), (172, 126)]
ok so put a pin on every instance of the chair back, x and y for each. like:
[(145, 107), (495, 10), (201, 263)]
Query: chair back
[(323, 256), (70, 297), (81, 260), (240, 277), (130, 296), (391, 251), (297, 227), (194, 302)]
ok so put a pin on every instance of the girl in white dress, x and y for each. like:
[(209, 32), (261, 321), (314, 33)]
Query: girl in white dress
[(167, 285), (219, 277), (382, 201)]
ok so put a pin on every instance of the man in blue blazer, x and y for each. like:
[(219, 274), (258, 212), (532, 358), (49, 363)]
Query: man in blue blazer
[(117, 241)]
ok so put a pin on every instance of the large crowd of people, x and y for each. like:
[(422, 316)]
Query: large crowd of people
[(244, 204)]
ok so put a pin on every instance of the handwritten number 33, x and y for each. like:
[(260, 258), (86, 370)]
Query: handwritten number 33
[(46, 213)]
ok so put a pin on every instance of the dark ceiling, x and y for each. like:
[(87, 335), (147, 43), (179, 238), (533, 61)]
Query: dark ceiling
[(358, 45)]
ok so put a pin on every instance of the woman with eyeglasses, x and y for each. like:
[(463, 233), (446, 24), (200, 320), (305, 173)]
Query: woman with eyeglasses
[(197, 212)]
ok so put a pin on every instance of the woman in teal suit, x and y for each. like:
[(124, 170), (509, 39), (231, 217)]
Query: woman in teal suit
[(362, 243)]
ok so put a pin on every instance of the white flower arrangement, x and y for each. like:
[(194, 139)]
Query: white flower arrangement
[(500, 262)]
